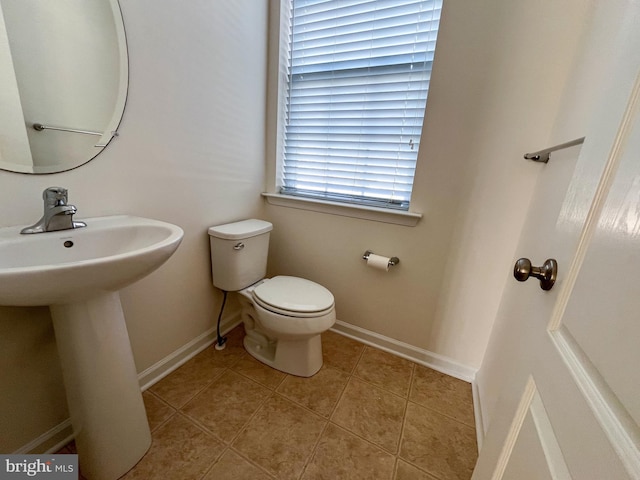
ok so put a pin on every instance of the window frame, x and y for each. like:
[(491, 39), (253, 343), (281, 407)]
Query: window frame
[(277, 78)]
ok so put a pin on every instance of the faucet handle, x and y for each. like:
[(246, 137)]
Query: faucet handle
[(55, 196)]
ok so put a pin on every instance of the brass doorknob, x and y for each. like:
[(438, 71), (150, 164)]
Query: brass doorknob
[(547, 273)]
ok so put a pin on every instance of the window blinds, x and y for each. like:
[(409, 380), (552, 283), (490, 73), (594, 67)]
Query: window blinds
[(359, 75)]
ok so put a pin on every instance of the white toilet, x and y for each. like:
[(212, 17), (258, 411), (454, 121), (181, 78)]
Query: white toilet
[(283, 316)]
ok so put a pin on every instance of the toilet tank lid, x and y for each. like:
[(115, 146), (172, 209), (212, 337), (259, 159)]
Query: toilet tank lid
[(239, 230)]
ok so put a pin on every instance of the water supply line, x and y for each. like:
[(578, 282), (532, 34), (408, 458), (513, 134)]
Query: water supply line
[(221, 343)]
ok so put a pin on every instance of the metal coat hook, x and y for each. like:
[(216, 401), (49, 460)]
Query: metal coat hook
[(543, 155)]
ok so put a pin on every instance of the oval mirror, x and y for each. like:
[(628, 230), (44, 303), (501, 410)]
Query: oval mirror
[(63, 82)]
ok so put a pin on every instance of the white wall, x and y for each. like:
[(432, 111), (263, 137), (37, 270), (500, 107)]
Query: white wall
[(190, 152), (533, 45), (499, 69)]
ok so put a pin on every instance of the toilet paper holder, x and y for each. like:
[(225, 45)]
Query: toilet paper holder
[(392, 261)]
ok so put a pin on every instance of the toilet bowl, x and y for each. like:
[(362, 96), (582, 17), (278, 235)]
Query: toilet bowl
[(282, 331), (283, 316)]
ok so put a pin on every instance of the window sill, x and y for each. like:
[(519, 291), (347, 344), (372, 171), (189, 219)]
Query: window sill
[(408, 219)]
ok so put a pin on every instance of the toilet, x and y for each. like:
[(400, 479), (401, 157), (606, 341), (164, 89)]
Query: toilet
[(283, 316)]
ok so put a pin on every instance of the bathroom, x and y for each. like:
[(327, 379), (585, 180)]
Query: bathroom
[(196, 148)]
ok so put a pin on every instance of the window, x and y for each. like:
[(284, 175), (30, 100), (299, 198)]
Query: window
[(358, 78)]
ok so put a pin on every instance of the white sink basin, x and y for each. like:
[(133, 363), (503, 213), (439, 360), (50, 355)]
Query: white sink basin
[(71, 265), (78, 274)]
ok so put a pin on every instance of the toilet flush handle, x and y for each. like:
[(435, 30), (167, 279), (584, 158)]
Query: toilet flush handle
[(238, 246)]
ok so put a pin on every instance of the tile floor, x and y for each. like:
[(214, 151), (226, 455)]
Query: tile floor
[(366, 415)]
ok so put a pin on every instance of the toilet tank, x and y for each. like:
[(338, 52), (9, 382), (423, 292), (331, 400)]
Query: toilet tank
[(239, 253)]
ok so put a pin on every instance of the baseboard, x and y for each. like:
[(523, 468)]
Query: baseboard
[(477, 411), (418, 355), (175, 360), (50, 441), (56, 438)]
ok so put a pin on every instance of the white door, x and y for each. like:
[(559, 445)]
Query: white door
[(560, 384)]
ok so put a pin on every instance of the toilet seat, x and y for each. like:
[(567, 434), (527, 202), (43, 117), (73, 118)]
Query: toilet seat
[(293, 297)]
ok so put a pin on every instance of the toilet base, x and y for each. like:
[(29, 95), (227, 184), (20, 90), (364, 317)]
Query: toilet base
[(302, 358)]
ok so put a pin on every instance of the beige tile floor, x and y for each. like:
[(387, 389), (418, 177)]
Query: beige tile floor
[(366, 415)]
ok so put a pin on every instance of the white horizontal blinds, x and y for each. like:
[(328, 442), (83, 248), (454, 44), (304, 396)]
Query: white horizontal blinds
[(358, 83)]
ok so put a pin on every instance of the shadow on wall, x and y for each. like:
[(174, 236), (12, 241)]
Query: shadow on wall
[(31, 379)]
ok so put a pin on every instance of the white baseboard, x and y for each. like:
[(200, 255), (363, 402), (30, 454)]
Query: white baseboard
[(477, 411), (418, 355), (50, 441), (56, 438)]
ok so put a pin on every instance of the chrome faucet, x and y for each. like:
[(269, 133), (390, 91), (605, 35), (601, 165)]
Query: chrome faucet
[(57, 214)]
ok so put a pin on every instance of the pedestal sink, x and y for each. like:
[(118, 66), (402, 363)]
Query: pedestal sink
[(78, 274)]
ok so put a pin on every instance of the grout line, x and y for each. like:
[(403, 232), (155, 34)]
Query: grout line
[(206, 432), (248, 460), (404, 423), (421, 469), (198, 391), (245, 375), (379, 387), (166, 420), (405, 395), (213, 464), (404, 415), (234, 362), (352, 376), (153, 394), (366, 440), (274, 394), (304, 407), (370, 442), (410, 462), (431, 409), (344, 388), (355, 367), (394, 474), (314, 449), (355, 434), (286, 375), (202, 426), (250, 419), (228, 446)]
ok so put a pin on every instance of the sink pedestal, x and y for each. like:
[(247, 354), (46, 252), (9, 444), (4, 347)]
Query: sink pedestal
[(107, 412), (77, 272)]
